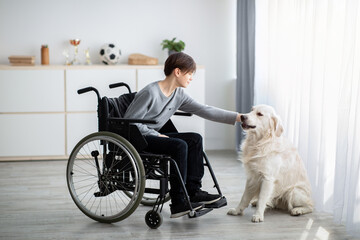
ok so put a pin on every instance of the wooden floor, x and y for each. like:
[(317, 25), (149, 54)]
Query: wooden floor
[(35, 204)]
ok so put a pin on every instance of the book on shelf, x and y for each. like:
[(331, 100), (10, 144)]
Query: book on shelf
[(22, 64), (22, 60)]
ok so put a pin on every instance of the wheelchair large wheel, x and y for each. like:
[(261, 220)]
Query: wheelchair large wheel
[(102, 169)]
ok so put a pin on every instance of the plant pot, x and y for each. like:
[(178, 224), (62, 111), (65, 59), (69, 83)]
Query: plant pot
[(171, 52)]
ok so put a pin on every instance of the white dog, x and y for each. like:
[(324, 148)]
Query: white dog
[(276, 176)]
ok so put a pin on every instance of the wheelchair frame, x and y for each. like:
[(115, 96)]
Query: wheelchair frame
[(107, 171)]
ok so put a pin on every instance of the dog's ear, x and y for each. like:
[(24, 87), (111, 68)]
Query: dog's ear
[(278, 128)]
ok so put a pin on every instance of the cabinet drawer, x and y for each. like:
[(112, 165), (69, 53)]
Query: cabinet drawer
[(100, 79), (32, 135), (32, 91), (146, 76), (79, 125), (189, 124)]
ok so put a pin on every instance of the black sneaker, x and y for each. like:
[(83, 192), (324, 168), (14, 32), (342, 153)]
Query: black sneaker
[(183, 209), (204, 197)]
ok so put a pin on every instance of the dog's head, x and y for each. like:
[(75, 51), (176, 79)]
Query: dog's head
[(262, 121)]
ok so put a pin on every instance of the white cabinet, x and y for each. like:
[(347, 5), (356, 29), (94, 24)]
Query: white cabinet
[(98, 78), (43, 117), (81, 109), (32, 91), (79, 125), (30, 135), (32, 119), (146, 76)]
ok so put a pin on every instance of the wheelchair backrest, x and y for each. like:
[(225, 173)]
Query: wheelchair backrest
[(116, 108), (113, 107)]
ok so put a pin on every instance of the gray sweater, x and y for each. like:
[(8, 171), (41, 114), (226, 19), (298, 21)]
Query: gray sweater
[(150, 103)]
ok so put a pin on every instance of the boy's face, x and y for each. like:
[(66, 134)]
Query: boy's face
[(184, 79)]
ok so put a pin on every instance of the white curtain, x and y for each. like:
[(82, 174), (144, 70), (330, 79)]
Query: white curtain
[(307, 66)]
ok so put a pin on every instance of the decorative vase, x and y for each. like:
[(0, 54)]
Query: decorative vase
[(44, 55)]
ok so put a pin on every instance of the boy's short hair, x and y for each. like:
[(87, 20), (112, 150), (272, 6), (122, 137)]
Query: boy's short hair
[(179, 60)]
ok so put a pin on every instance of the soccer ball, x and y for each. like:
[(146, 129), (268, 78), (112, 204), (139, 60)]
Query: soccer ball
[(109, 54)]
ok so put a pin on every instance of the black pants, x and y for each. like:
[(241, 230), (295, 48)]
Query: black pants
[(187, 150)]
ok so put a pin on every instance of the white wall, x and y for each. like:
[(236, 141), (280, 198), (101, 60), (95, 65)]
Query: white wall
[(208, 27)]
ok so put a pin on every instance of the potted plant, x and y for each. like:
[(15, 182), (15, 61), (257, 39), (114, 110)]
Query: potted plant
[(173, 46)]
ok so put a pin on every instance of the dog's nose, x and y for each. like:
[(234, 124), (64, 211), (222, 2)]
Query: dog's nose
[(243, 118)]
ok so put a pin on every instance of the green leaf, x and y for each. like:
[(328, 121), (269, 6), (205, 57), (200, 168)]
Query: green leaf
[(173, 45)]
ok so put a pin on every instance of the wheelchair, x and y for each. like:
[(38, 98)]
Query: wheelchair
[(109, 175)]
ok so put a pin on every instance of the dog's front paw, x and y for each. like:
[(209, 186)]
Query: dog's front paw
[(234, 212), (257, 218)]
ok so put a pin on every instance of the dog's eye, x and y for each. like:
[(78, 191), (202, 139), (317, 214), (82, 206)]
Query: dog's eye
[(259, 114)]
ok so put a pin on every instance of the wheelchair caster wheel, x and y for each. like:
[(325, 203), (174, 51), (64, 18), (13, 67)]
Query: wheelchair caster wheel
[(192, 214), (153, 219)]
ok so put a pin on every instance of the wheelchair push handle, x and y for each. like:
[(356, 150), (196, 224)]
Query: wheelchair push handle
[(120, 84), (88, 89), (84, 90)]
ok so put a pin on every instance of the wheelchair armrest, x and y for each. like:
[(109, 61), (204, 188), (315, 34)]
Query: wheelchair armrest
[(125, 128), (132, 120), (183, 114)]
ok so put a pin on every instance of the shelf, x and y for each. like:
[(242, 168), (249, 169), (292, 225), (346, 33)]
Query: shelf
[(84, 67)]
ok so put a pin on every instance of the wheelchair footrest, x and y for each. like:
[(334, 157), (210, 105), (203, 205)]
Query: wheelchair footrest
[(199, 213), (218, 204)]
